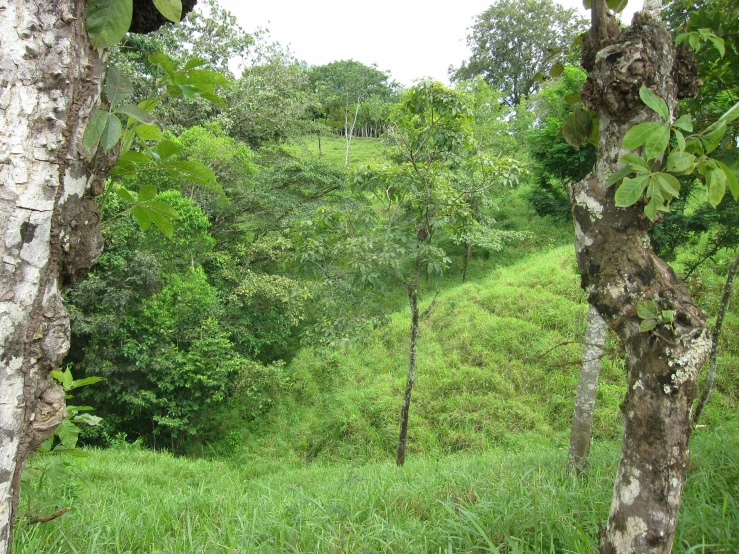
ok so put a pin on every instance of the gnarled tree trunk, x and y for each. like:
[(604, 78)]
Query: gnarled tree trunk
[(619, 268)]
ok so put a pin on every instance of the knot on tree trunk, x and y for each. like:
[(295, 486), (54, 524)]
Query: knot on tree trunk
[(80, 239), (147, 19), (620, 69), (48, 412)]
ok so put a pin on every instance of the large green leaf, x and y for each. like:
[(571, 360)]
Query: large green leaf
[(680, 162), (112, 132), (166, 149), (638, 134), (557, 70), (135, 112), (684, 122), (94, 131), (171, 9), (118, 87), (162, 222), (716, 182), (194, 169), (142, 216), (654, 102), (731, 180), (205, 77), (147, 192), (712, 138), (657, 142), (148, 132), (162, 208), (68, 433), (631, 191), (669, 184), (617, 5), (647, 309), (108, 21), (616, 176)]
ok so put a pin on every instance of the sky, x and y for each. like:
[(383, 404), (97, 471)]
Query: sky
[(411, 38)]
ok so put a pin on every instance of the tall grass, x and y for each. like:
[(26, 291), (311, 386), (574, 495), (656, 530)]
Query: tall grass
[(505, 500)]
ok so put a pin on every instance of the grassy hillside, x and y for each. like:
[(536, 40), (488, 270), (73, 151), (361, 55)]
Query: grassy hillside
[(333, 150), (506, 500)]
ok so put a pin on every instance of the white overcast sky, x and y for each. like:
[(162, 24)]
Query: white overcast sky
[(411, 38)]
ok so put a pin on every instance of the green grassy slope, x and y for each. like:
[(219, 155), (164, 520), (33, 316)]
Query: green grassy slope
[(333, 150), (507, 501)]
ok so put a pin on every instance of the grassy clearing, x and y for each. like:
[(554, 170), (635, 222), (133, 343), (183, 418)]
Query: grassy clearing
[(333, 150), (508, 501)]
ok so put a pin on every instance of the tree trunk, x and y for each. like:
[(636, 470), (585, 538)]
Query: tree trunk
[(619, 268), (319, 145), (587, 387), (466, 261), (413, 301), (51, 82), (723, 306)]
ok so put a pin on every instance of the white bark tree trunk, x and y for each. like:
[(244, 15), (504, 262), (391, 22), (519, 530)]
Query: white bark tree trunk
[(587, 389), (49, 85)]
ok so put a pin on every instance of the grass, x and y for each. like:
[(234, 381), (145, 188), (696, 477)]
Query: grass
[(333, 150), (508, 501)]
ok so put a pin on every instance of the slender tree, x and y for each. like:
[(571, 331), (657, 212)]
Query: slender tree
[(587, 388)]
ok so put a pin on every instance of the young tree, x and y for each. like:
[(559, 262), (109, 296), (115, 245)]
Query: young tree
[(512, 41), (625, 279), (52, 76)]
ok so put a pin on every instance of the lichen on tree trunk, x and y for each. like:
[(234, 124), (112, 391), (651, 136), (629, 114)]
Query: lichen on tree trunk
[(619, 268)]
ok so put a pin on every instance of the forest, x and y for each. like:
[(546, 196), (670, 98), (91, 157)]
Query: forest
[(251, 304)]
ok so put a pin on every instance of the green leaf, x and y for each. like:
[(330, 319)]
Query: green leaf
[(171, 9), (711, 139), (135, 112), (617, 5), (638, 134), (68, 433), (538, 76), (573, 98), (108, 21), (616, 176), (731, 180), (196, 169), (576, 127), (125, 194), (684, 122), (669, 184), (162, 222), (205, 77), (118, 86), (134, 157), (163, 61), (718, 43), (680, 140), (188, 92), (556, 70), (647, 325), (587, 4), (651, 208), (215, 99), (656, 103), (594, 131), (731, 114), (657, 143), (680, 162), (147, 192), (112, 132), (647, 309), (148, 132), (194, 62), (162, 208), (94, 131), (716, 182), (142, 216), (85, 382), (88, 419), (166, 149), (637, 163), (631, 191), (668, 316)]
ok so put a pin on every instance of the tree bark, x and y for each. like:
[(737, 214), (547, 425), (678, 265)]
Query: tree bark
[(587, 387), (413, 301), (619, 268), (723, 306), (50, 84), (49, 222), (466, 261)]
